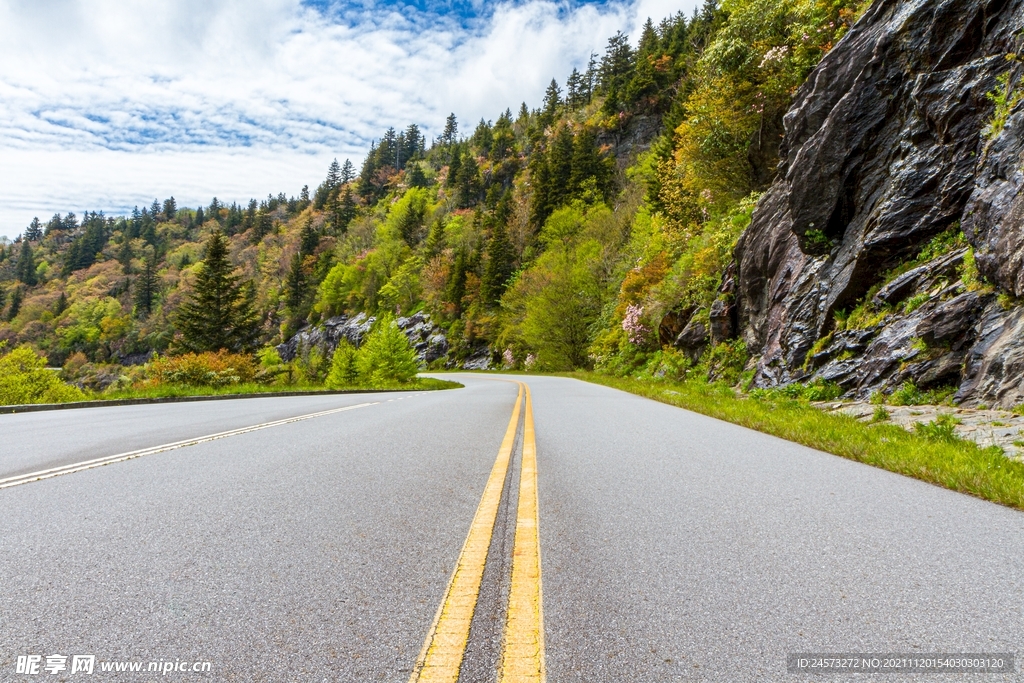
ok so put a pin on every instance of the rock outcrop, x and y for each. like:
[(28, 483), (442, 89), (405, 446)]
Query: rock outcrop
[(427, 338), (883, 150)]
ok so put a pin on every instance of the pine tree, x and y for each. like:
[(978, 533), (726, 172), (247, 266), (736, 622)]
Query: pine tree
[(451, 131), (15, 307), (220, 312), (333, 175), (295, 287), (124, 254), (500, 263), (552, 101), (435, 239), (346, 209), (34, 232), (469, 182), (309, 239), (26, 272), (170, 209), (348, 174), (60, 306), (146, 287), (200, 218)]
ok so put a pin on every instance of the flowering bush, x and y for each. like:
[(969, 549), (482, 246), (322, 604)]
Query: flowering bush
[(634, 326), (206, 369), (508, 358)]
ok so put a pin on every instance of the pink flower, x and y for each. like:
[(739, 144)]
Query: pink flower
[(633, 324)]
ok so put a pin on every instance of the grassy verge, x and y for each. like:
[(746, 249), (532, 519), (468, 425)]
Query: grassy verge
[(173, 391), (958, 465)]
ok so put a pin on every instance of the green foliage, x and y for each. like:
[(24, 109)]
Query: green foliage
[(220, 313), (915, 302), (942, 428), (344, 370), (817, 242), (24, 378), (1006, 96), (907, 394), (969, 273), (880, 414), (207, 369), (818, 390), (724, 363), (386, 356), (1018, 409)]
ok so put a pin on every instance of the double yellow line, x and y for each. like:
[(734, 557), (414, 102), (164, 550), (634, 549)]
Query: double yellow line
[(522, 659)]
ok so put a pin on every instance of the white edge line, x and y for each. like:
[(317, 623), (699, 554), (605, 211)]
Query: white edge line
[(120, 457)]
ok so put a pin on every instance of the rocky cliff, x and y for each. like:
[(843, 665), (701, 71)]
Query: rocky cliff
[(884, 150)]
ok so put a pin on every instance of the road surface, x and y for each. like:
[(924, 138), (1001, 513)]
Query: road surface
[(672, 547)]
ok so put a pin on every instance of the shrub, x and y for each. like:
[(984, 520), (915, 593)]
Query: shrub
[(881, 414), (207, 369), (724, 362), (344, 371), (906, 395), (942, 428), (24, 378), (386, 357)]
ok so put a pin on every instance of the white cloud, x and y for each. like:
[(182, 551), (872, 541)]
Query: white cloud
[(105, 104)]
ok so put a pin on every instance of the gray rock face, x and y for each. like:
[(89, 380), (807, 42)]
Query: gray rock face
[(426, 337), (882, 151), (994, 372), (994, 219)]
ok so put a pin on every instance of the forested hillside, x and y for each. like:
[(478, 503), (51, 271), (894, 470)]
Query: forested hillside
[(596, 230)]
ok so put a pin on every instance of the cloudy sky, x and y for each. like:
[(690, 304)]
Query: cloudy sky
[(108, 104)]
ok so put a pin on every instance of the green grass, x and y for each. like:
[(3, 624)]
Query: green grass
[(954, 464), (173, 391)]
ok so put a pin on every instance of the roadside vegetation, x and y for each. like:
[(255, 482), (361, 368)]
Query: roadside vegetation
[(932, 454)]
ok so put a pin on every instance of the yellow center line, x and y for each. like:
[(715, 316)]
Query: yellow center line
[(441, 656), (522, 659)]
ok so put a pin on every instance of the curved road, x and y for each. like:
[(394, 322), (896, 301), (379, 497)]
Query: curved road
[(675, 547)]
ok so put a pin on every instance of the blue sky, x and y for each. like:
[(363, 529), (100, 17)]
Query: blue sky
[(106, 104)]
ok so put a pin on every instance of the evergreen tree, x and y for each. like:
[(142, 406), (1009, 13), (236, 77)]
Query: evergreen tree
[(348, 174), (15, 306), (146, 287), (200, 217), (414, 175), (500, 264), (155, 210), (170, 209), (219, 313), (304, 197), (333, 175), (60, 306), (34, 232), (26, 272), (435, 239), (451, 131), (124, 254), (3, 298), (346, 209), (295, 288), (309, 238), (552, 101), (469, 182)]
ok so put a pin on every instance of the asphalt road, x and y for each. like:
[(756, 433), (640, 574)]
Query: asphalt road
[(674, 547)]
